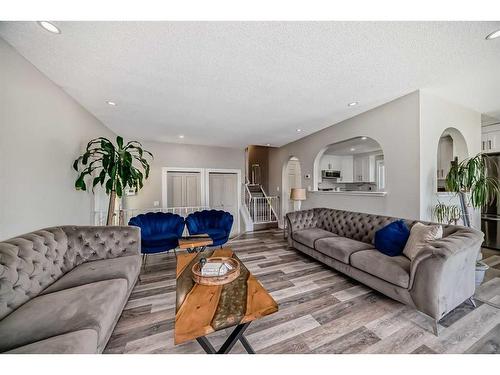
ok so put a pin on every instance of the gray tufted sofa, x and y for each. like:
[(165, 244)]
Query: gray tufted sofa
[(439, 279), (62, 289)]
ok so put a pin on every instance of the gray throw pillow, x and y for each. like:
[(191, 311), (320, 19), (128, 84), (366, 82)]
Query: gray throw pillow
[(420, 234)]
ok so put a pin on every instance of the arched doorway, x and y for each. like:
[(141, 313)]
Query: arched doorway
[(451, 146), (291, 178)]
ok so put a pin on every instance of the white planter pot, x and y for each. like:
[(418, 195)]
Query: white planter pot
[(481, 269)]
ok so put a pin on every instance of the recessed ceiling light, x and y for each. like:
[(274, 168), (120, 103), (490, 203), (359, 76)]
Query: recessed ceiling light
[(181, 136), (299, 130), (50, 27), (353, 149), (363, 138), (110, 102), (493, 35), (352, 104)]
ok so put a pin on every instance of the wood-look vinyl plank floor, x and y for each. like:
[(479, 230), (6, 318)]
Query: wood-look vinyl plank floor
[(321, 310)]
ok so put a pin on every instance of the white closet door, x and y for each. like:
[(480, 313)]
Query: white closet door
[(223, 194), (192, 190), (183, 189)]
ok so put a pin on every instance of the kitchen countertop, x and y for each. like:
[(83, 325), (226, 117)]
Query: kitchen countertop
[(355, 192)]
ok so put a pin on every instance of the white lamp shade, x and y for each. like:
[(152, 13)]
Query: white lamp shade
[(297, 194)]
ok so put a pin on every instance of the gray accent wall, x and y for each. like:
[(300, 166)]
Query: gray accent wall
[(182, 156), (42, 130), (408, 129), (395, 126)]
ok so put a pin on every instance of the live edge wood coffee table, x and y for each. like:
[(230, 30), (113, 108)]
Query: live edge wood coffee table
[(203, 309)]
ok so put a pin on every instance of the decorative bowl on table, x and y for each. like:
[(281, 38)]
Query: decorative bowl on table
[(216, 271)]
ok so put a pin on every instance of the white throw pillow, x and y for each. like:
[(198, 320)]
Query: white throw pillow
[(420, 234)]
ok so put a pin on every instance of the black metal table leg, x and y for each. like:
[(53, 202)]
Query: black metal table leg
[(246, 345), (205, 344), (236, 335)]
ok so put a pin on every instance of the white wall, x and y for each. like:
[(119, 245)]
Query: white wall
[(182, 155), (436, 115), (42, 130), (395, 126)]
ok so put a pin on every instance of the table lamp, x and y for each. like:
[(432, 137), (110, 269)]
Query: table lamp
[(298, 195)]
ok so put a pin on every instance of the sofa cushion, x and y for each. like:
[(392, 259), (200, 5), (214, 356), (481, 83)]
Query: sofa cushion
[(93, 306), (127, 268), (395, 270), (340, 248), (392, 238), (307, 237), (78, 342)]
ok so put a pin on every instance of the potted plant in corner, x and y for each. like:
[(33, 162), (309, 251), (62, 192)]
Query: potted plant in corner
[(475, 188), (116, 167)]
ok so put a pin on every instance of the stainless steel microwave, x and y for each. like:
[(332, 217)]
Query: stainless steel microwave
[(329, 173)]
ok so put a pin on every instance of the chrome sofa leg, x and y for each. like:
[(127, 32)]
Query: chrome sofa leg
[(435, 327), (472, 302)]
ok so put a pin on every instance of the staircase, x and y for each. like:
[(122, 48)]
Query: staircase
[(263, 209)]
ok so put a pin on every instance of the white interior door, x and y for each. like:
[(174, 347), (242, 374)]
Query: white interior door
[(183, 189), (223, 194), (294, 181)]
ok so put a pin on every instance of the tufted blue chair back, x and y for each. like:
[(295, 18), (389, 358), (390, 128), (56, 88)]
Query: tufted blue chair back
[(198, 222), (158, 222)]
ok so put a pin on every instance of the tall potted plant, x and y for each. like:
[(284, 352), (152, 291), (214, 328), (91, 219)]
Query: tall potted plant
[(470, 180), (115, 166)]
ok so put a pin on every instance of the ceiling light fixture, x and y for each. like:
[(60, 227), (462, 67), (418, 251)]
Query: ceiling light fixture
[(111, 103), (493, 35), (50, 27), (352, 104), (299, 130), (181, 136)]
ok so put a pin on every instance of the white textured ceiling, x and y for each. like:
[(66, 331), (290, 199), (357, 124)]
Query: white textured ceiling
[(239, 83)]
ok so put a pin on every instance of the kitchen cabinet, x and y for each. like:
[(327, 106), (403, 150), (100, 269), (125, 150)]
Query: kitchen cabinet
[(342, 163), (364, 168), (445, 156), (490, 139)]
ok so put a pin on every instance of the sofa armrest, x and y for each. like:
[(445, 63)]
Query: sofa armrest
[(442, 275), (88, 243)]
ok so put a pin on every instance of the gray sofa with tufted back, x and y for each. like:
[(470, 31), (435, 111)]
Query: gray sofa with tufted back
[(62, 289), (439, 279)]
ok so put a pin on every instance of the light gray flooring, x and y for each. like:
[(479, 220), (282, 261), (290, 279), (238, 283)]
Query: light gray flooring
[(321, 310)]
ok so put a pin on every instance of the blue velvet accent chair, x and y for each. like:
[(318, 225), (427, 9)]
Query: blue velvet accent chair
[(160, 231), (217, 224)]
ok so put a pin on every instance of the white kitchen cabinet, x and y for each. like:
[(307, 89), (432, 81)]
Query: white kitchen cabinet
[(342, 163), (490, 139), (364, 168)]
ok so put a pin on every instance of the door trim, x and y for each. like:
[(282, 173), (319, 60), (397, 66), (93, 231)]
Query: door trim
[(164, 184), (205, 185), (238, 188)]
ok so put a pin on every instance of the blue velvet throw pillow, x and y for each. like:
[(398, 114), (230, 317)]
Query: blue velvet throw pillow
[(391, 239)]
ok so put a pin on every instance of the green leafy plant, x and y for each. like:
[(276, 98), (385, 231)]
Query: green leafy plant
[(470, 178), (116, 167)]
